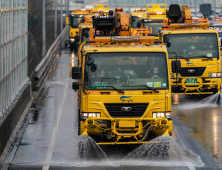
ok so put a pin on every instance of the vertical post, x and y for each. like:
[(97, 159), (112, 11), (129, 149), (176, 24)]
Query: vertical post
[(61, 16), (195, 7), (68, 8), (43, 29), (215, 4), (55, 18)]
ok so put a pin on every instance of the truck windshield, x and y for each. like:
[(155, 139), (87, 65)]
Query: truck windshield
[(134, 21), (76, 20), (155, 27), (193, 45), (127, 71)]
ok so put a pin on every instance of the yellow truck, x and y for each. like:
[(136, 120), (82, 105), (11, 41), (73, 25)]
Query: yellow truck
[(196, 46), (74, 20), (135, 17), (77, 17), (100, 7), (84, 30), (124, 87), (154, 17)]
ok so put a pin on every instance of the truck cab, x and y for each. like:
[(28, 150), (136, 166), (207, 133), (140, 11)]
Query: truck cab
[(196, 46), (78, 16), (74, 20), (154, 18), (135, 17), (123, 85), (120, 98)]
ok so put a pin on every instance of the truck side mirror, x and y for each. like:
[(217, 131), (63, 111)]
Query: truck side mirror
[(138, 25), (76, 73), (67, 21), (77, 38), (176, 66), (83, 20), (165, 40), (75, 86)]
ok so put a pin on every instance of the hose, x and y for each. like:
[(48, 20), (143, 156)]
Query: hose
[(146, 134)]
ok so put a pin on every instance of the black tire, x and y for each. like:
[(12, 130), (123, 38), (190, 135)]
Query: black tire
[(218, 99), (72, 46), (79, 119)]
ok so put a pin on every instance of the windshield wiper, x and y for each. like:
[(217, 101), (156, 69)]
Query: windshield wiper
[(107, 78), (150, 88), (204, 57), (113, 88), (184, 57)]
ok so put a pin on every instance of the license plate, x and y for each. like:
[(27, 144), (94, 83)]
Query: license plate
[(127, 123), (191, 80)]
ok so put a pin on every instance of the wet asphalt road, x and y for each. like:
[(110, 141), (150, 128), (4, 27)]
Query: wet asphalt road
[(49, 141)]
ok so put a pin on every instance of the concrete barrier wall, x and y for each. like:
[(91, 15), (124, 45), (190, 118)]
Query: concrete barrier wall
[(15, 112)]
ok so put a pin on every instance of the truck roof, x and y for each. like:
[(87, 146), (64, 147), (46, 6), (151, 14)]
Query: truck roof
[(187, 31), (125, 48)]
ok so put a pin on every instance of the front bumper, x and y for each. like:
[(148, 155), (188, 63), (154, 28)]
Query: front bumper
[(203, 86), (130, 130)]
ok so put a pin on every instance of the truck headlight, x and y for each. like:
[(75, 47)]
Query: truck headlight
[(72, 40), (93, 115), (215, 75), (168, 114), (162, 114), (171, 76)]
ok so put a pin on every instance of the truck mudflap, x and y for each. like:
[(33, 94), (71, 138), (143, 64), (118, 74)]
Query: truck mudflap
[(126, 128), (200, 87)]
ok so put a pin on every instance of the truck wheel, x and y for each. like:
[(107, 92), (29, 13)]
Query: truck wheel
[(218, 99), (79, 122), (72, 46)]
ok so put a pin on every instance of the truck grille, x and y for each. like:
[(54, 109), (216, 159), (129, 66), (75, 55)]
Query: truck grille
[(116, 109), (198, 71)]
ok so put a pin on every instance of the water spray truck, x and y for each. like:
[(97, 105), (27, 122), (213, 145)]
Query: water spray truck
[(154, 17), (195, 46), (123, 85), (77, 17), (135, 17)]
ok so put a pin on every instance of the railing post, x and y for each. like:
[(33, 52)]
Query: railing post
[(61, 16), (43, 29), (55, 6)]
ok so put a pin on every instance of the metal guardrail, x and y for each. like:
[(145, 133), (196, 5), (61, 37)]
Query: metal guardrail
[(48, 63)]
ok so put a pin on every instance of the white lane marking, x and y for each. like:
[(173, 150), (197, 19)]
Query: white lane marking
[(55, 129), (45, 168), (190, 166)]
